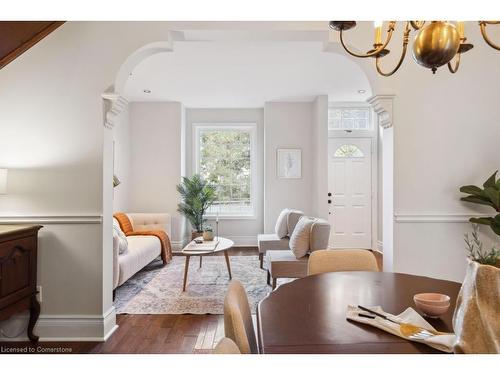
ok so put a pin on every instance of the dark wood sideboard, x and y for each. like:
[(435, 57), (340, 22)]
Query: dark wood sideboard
[(18, 266)]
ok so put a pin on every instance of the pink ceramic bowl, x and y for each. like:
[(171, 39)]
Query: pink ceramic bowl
[(432, 299), (430, 310)]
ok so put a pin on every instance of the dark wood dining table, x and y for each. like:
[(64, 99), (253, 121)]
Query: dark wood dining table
[(308, 315)]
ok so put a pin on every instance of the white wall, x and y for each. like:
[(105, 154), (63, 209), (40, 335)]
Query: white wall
[(122, 161), (380, 187), (155, 160), (242, 231), (320, 165), (288, 125)]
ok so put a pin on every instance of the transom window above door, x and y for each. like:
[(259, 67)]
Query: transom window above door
[(224, 156), (349, 118)]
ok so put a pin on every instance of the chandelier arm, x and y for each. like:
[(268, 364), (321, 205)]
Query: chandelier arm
[(482, 25), (457, 64), (377, 50), (403, 54), (417, 25)]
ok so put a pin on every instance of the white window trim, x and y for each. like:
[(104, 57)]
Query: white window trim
[(353, 133), (251, 127)]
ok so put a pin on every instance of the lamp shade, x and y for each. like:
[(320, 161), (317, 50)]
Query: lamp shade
[(3, 181)]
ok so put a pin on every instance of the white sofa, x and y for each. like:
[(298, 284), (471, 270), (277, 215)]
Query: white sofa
[(141, 250)]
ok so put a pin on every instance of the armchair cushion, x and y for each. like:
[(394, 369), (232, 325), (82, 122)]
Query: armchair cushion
[(285, 264), (271, 242), (292, 220)]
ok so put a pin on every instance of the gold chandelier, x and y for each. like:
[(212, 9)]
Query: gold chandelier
[(436, 43)]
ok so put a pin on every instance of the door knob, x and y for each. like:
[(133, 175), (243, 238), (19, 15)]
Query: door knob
[(329, 194), (329, 201)]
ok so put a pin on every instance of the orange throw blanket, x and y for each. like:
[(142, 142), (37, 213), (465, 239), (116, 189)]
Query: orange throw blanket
[(126, 227)]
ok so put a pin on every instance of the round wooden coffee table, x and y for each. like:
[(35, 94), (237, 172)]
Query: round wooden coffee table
[(224, 245), (308, 315)]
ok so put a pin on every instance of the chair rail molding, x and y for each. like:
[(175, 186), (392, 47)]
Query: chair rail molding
[(115, 104), (435, 217), (383, 106), (52, 219)]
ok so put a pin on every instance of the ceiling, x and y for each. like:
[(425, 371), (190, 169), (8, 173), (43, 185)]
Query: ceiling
[(245, 74), (16, 37)]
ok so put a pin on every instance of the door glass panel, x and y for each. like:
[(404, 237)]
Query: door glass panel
[(348, 151)]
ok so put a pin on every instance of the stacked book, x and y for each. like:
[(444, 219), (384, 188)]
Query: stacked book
[(204, 246)]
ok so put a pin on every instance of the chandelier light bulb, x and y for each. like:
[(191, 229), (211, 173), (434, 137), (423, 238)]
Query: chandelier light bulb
[(378, 31)]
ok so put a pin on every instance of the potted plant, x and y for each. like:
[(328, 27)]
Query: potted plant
[(208, 233), (197, 196), (475, 320)]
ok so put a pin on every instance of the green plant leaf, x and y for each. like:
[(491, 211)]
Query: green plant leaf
[(496, 228), (478, 200), (471, 189), (491, 182), (481, 220), (494, 196)]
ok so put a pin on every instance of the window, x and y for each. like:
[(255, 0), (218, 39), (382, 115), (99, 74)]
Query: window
[(349, 119), (224, 156), (348, 151)]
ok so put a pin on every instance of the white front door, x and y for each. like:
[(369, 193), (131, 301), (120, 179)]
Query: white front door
[(350, 186)]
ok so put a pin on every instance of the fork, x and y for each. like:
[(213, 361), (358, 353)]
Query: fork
[(410, 331)]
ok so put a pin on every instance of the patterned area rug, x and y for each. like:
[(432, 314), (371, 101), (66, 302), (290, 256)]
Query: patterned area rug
[(158, 290)]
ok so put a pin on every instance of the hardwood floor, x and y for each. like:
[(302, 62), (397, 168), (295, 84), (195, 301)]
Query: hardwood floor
[(169, 334)]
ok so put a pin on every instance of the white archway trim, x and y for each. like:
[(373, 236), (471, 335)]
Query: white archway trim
[(140, 55), (383, 107), (115, 104)]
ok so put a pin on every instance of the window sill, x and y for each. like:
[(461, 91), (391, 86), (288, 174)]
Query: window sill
[(226, 217)]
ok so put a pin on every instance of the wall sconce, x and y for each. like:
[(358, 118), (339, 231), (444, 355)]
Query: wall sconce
[(3, 181)]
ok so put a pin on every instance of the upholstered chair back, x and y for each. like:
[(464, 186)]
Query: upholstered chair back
[(226, 346), (238, 324), (320, 235), (292, 220), (322, 261)]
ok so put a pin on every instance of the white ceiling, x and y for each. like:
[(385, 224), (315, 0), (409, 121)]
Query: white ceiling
[(239, 74)]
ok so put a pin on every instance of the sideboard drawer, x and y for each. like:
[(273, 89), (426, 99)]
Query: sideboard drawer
[(16, 262), (18, 257)]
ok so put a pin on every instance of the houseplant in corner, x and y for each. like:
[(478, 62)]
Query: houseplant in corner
[(197, 196), (476, 321)]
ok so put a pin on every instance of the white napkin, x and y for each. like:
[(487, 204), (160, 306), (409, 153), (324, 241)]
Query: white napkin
[(440, 342)]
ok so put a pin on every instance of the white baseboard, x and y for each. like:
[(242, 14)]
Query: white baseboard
[(67, 327), (243, 240)]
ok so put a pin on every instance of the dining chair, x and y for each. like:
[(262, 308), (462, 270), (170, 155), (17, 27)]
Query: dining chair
[(226, 346), (238, 325), (322, 261)]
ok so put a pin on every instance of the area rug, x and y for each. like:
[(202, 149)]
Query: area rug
[(158, 290)]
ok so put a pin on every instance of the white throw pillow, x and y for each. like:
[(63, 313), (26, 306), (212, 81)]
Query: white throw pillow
[(300, 238), (119, 239), (281, 227)]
